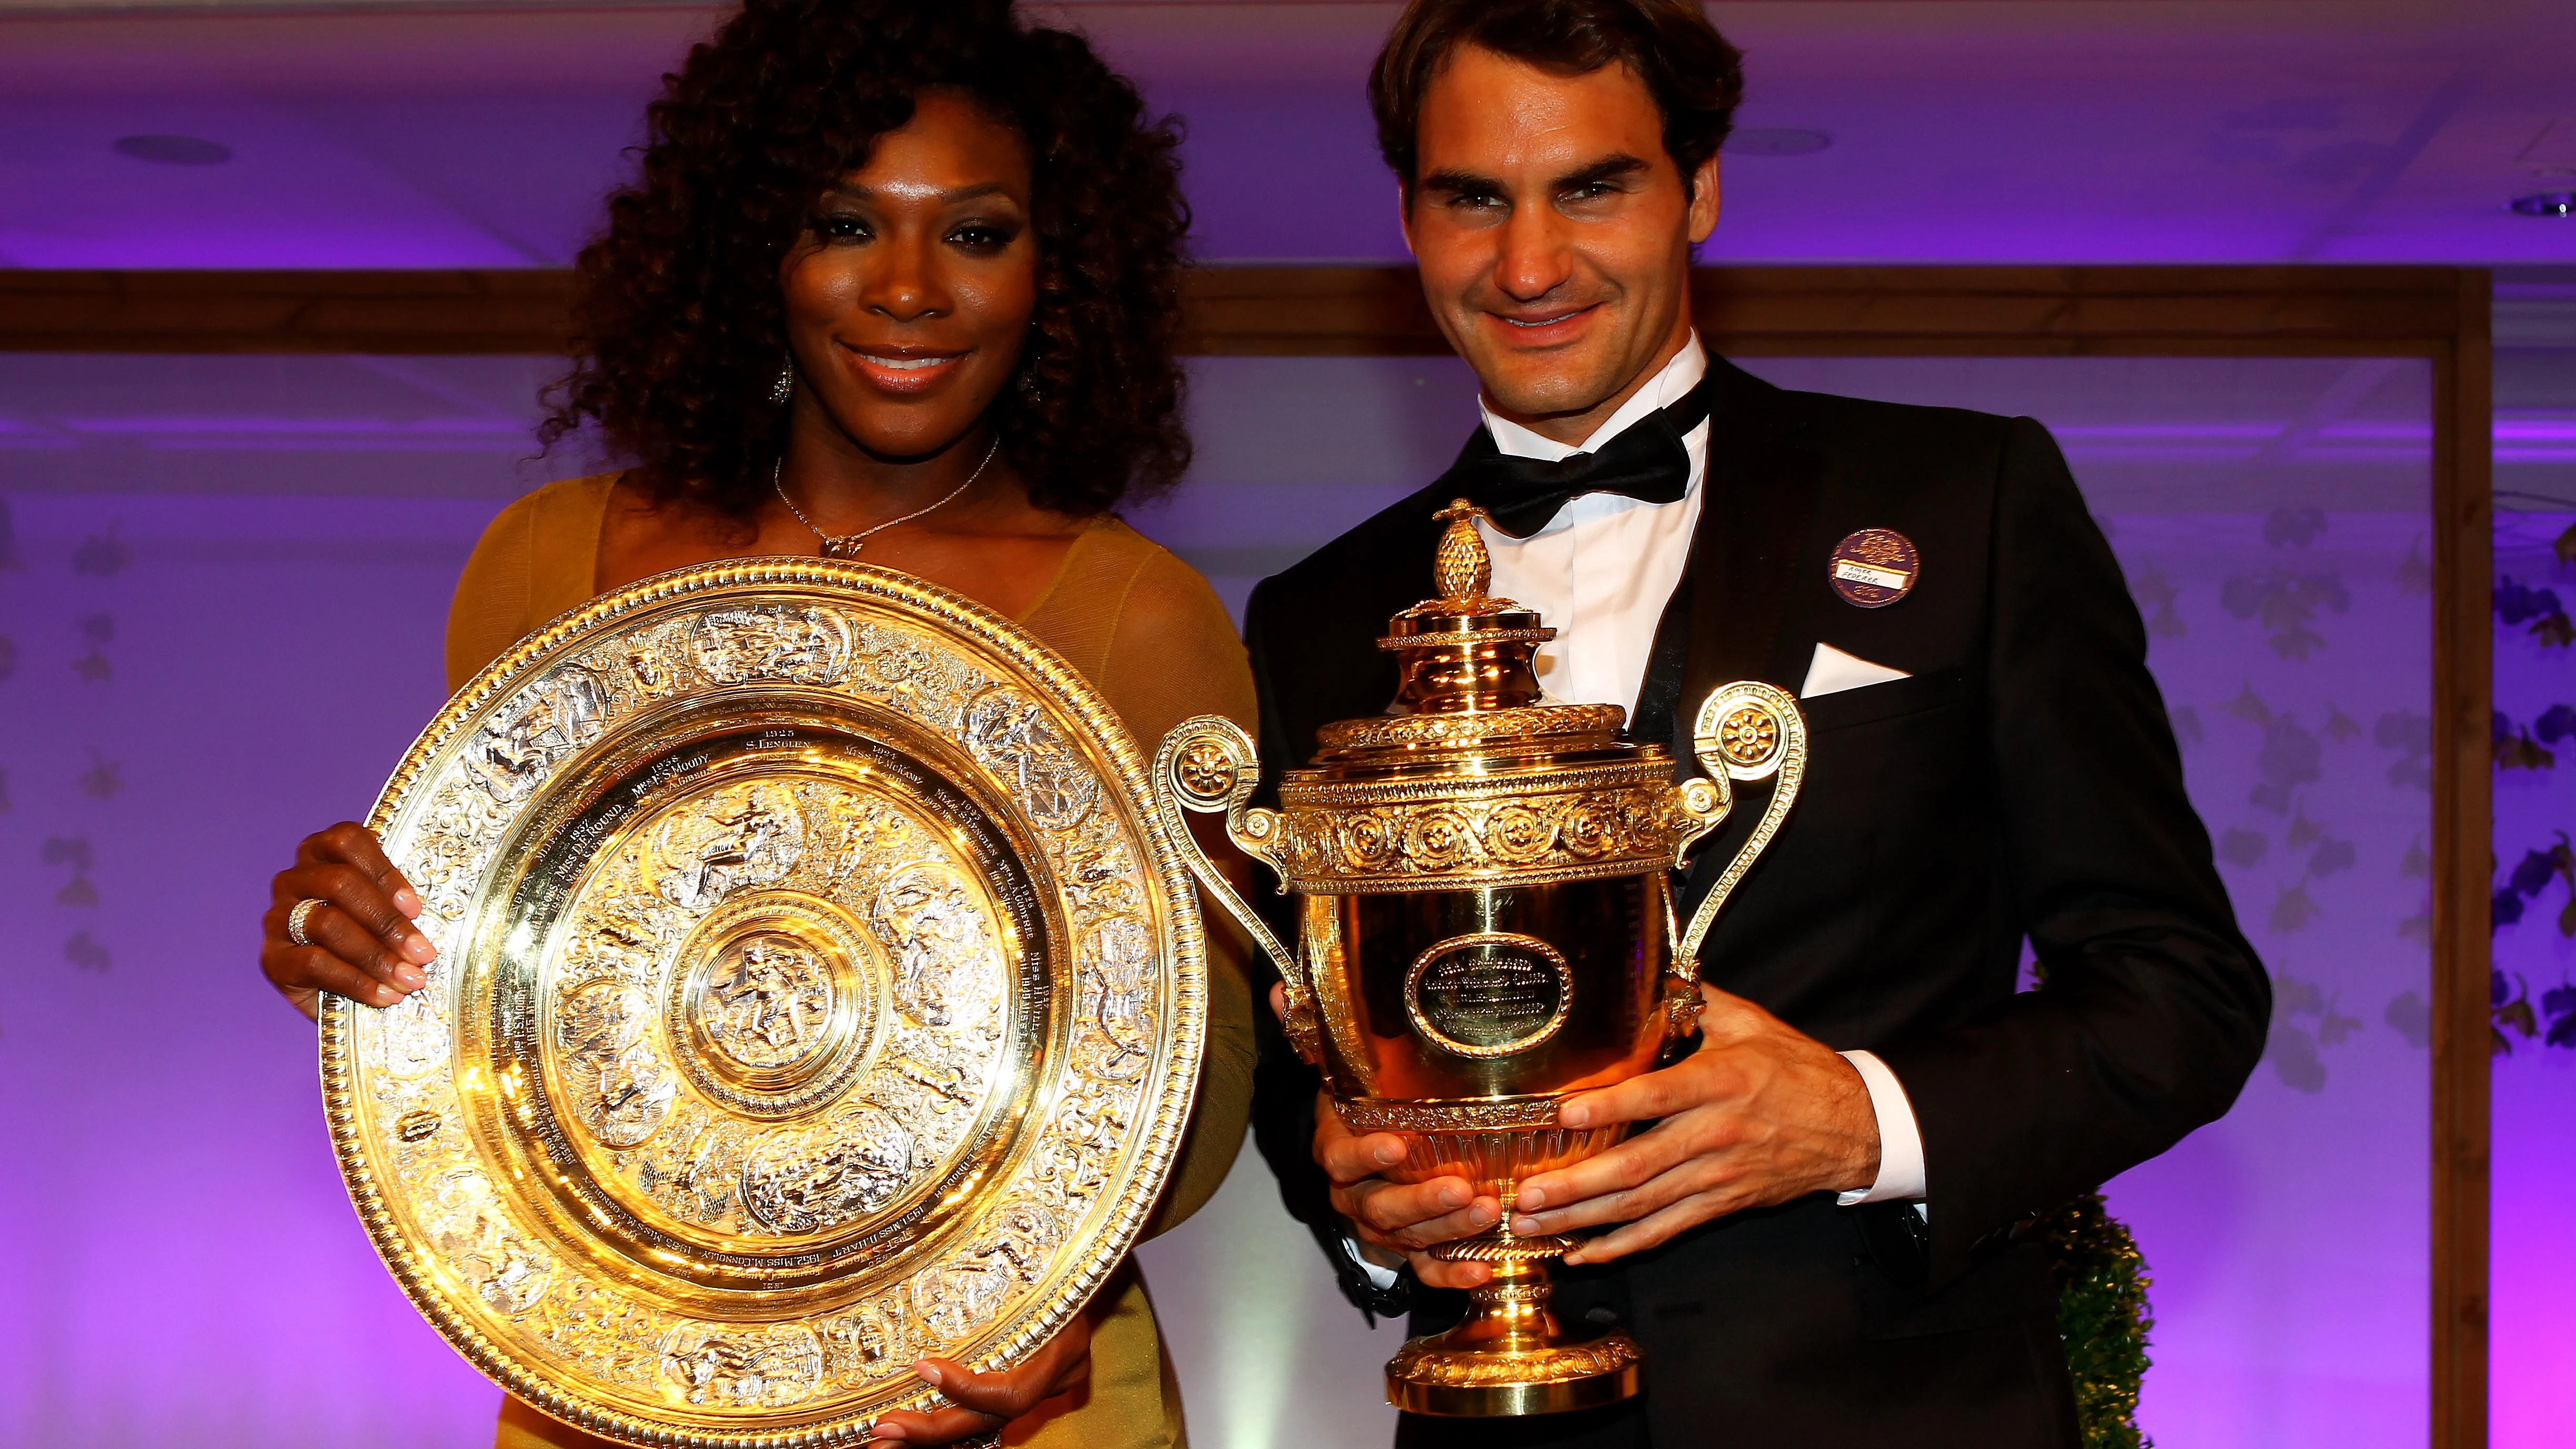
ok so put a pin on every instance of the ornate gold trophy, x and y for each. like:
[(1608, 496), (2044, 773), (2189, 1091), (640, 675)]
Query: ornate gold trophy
[(1485, 910), (817, 990)]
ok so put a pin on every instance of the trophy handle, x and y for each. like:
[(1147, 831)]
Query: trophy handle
[(1746, 731), (1207, 765)]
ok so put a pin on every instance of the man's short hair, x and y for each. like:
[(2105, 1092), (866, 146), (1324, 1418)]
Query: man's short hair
[(1694, 75)]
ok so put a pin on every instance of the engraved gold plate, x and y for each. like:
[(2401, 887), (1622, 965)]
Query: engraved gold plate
[(818, 989)]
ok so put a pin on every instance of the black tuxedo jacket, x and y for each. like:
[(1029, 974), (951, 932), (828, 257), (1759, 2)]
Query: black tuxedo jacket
[(2023, 782)]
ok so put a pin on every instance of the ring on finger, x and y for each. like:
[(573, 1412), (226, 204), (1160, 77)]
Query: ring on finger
[(301, 917)]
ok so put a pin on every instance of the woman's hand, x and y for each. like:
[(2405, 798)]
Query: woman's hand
[(983, 1403), (364, 945)]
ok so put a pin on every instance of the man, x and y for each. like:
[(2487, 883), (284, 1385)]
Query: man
[(1823, 1234)]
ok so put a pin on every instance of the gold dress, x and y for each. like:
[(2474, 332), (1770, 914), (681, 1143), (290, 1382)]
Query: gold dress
[(1150, 634)]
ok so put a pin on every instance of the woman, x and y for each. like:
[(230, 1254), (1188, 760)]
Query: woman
[(898, 282)]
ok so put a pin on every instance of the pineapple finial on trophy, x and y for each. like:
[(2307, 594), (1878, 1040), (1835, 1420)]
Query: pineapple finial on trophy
[(1462, 568), (1465, 650)]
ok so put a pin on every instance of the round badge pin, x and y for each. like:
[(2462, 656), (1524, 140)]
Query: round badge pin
[(1874, 567)]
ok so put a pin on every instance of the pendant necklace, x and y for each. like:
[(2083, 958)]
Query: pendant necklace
[(847, 545)]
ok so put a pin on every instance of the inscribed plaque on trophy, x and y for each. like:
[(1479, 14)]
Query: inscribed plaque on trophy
[(1489, 994)]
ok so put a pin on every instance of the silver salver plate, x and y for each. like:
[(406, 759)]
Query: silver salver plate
[(817, 990)]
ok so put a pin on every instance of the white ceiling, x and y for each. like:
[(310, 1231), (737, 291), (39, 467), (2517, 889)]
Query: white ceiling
[(422, 134)]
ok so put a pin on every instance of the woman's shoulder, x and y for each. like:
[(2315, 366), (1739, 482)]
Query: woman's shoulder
[(536, 559), (578, 501), (1115, 582), (1156, 636), (539, 517), (1162, 584)]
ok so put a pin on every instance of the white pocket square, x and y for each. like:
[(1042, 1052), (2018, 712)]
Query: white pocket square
[(1832, 671)]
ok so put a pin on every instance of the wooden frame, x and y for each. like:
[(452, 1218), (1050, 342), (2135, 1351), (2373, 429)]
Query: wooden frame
[(2437, 313), (2463, 831), (1328, 311)]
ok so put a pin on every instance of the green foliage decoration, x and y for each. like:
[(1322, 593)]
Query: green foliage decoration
[(2103, 1319)]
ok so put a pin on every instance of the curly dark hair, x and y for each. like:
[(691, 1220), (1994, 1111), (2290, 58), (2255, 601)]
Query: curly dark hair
[(1695, 76), (679, 326)]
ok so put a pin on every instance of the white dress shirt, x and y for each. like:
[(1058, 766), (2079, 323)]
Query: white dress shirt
[(1600, 573)]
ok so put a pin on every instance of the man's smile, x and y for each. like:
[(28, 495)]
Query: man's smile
[(1557, 324)]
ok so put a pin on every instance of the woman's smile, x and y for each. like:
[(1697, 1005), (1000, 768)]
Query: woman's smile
[(904, 371)]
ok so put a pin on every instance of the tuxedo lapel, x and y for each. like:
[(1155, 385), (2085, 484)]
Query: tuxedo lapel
[(1754, 523), (1753, 532)]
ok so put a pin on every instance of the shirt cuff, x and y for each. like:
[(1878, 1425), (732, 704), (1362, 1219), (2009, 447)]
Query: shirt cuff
[(1380, 1265), (1900, 1141)]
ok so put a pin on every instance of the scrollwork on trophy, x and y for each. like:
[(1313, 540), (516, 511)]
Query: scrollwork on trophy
[(802, 645), (1207, 765), (1747, 731), (1406, 835)]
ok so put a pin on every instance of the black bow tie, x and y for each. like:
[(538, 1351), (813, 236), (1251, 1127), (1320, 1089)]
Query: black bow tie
[(1647, 462)]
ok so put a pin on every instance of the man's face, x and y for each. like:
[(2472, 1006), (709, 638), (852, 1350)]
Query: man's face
[(1554, 234)]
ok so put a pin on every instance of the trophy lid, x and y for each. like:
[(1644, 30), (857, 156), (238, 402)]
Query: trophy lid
[(1469, 673)]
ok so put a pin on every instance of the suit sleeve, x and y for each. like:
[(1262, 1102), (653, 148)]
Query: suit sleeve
[(2154, 1008), (1283, 1086)]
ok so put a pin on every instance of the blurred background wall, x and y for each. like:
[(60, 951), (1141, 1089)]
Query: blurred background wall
[(222, 582)]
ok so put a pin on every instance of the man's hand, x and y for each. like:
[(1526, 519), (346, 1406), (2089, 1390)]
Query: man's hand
[(1760, 1114), (1400, 1217), (983, 1403)]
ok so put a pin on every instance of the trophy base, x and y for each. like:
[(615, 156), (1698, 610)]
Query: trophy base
[(1433, 1375), (1511, 1356)]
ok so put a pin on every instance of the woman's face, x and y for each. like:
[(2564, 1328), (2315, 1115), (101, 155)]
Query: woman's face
[(910, 291)]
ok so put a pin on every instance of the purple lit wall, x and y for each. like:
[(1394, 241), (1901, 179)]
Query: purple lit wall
[(385, 135), (221, 585), (2533, 1272), (196, 681)]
